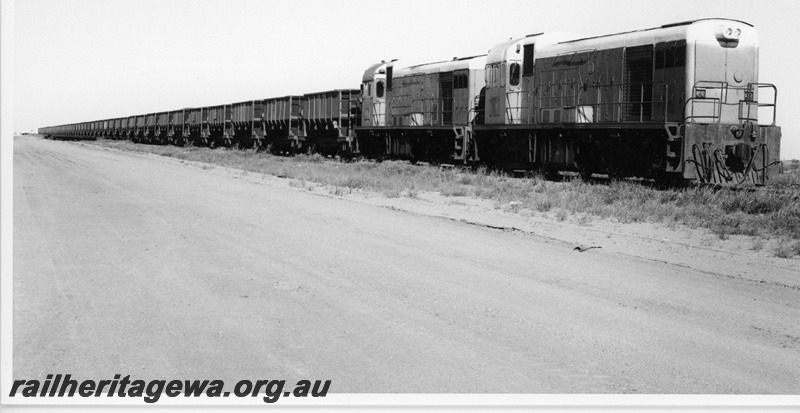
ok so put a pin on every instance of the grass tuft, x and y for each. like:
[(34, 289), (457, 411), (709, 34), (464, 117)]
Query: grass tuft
[(767, 213), (787, 249)]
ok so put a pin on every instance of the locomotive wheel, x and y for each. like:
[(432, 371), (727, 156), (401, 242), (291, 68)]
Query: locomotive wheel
[(585, 170), (615, 172), (345, 153), (550, 172), (585, 174), (670, 180)]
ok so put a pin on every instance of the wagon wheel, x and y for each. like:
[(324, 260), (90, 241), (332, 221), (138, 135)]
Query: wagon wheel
[(412, 157), (585, 168), (615, 172), (345, 152)]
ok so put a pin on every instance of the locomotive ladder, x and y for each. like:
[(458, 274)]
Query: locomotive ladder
[(465, 146)]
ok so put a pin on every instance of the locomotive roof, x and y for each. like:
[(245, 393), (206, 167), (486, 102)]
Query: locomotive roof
[(698, 30), (665, 26), (563, 42), (472, 62), (498, 53), (369, 74)]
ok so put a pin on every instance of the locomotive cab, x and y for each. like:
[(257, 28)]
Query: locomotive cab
[(509, 78), (373, 95), (503, 83)]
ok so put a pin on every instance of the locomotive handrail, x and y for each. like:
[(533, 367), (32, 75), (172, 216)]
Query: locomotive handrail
[(474, 110), (716, 101), (774, 103), (435, 113), (692, 116), (509, 114), (375, 116), (748, 99), (574, 99)]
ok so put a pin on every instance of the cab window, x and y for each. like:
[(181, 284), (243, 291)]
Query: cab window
[(379, 89), (513, 74)]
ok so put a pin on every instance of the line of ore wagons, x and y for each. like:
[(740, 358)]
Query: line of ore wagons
[(321, 121)]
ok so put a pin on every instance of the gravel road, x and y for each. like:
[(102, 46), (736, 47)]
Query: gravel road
[(135, 264)]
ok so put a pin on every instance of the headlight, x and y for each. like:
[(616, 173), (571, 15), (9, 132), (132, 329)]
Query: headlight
[(729, 33)]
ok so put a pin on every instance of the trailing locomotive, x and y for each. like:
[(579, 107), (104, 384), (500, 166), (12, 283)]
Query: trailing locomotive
[(676, 102)]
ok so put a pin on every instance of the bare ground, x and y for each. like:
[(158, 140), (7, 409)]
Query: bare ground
[(155, 267)]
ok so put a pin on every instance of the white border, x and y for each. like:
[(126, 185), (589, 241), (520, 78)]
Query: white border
[(332, 400), (439, 400), (6, 192)]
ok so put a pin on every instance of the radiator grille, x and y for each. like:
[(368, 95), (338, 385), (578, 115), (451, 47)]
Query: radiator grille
[(446, 96), (638, 84)]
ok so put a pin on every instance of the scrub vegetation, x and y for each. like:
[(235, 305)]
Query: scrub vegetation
[(772, 212)]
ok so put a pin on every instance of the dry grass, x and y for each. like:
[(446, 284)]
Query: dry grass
[(787, 249), (791, 167), (769, 213)]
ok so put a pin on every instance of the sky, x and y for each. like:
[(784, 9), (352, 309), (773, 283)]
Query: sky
[(82, 60)]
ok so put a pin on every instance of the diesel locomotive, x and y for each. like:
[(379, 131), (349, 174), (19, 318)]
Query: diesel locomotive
[(678, 102)]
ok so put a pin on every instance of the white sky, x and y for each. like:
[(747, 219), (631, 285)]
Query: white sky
[(80, 60)]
